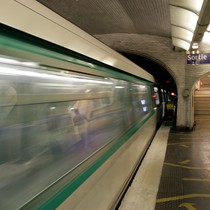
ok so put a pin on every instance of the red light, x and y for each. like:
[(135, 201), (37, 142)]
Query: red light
[(172, 93), (154, 96)]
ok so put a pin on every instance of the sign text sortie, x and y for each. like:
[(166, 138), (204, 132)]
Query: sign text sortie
[(202, 58)]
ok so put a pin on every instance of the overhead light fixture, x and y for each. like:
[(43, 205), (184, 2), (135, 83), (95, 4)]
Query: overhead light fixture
[(179, 15), (195, 46), (181, 43), (206, 37), (184, 18), (182, 33), (192, 5), (208, 28)]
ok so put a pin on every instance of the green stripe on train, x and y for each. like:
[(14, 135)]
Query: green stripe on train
[(13, 43), (56, 200)]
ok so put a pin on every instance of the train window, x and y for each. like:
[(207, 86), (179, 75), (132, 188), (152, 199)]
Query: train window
[(8, 100), (97, 103), (51, 123), (106, 101), (157, 98), (141, 100)]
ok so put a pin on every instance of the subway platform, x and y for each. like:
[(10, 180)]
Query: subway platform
[(175, 173)]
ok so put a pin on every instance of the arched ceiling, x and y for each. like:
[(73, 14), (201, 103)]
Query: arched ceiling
[(115, 16), (163, 78), (155, 22), (184, 22)]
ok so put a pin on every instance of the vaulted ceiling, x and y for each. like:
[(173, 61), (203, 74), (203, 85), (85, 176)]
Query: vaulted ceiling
[(159, 20), (115, 16), (99, 18)]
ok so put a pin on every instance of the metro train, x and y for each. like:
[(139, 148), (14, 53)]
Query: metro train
[(73, 130)]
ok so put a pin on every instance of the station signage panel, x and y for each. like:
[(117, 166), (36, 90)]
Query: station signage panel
[(201, 58)]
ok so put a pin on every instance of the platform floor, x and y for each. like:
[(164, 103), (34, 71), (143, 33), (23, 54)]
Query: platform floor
[(175, 174)]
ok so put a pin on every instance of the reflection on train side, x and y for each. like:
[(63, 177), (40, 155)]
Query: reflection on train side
[(50, 122)]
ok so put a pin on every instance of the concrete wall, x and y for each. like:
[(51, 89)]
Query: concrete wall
[(193, 74), (161, 50)]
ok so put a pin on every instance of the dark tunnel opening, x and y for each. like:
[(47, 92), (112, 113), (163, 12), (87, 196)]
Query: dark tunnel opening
[(161, 75)]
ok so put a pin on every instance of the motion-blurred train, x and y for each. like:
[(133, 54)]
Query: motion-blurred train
[(73, 130)]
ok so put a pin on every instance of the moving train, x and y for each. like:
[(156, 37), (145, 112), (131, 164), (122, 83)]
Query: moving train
[(73, 127)]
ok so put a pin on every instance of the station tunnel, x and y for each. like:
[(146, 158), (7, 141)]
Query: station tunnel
[(104, 105)]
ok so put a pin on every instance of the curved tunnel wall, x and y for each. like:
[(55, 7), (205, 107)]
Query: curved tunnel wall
[(161, 49), (156, 68), (162, 77)]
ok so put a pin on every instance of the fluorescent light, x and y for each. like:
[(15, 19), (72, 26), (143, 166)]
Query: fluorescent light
[(193, 5), (208, 29), (181, 43), (182, 33), (195, 46), (119, 87), (206, 37), (183, 18), (17, 62), (50, 76)]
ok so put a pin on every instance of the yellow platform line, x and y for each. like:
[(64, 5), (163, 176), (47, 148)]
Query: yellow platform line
[(189, 142), (190, 137), (187, 167), (181, 197), (196, 180)]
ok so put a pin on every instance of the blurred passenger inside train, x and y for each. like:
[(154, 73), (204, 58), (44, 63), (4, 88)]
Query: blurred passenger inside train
[(80, 121)]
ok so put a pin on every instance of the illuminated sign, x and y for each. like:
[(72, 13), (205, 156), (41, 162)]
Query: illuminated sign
[(202, 58)]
